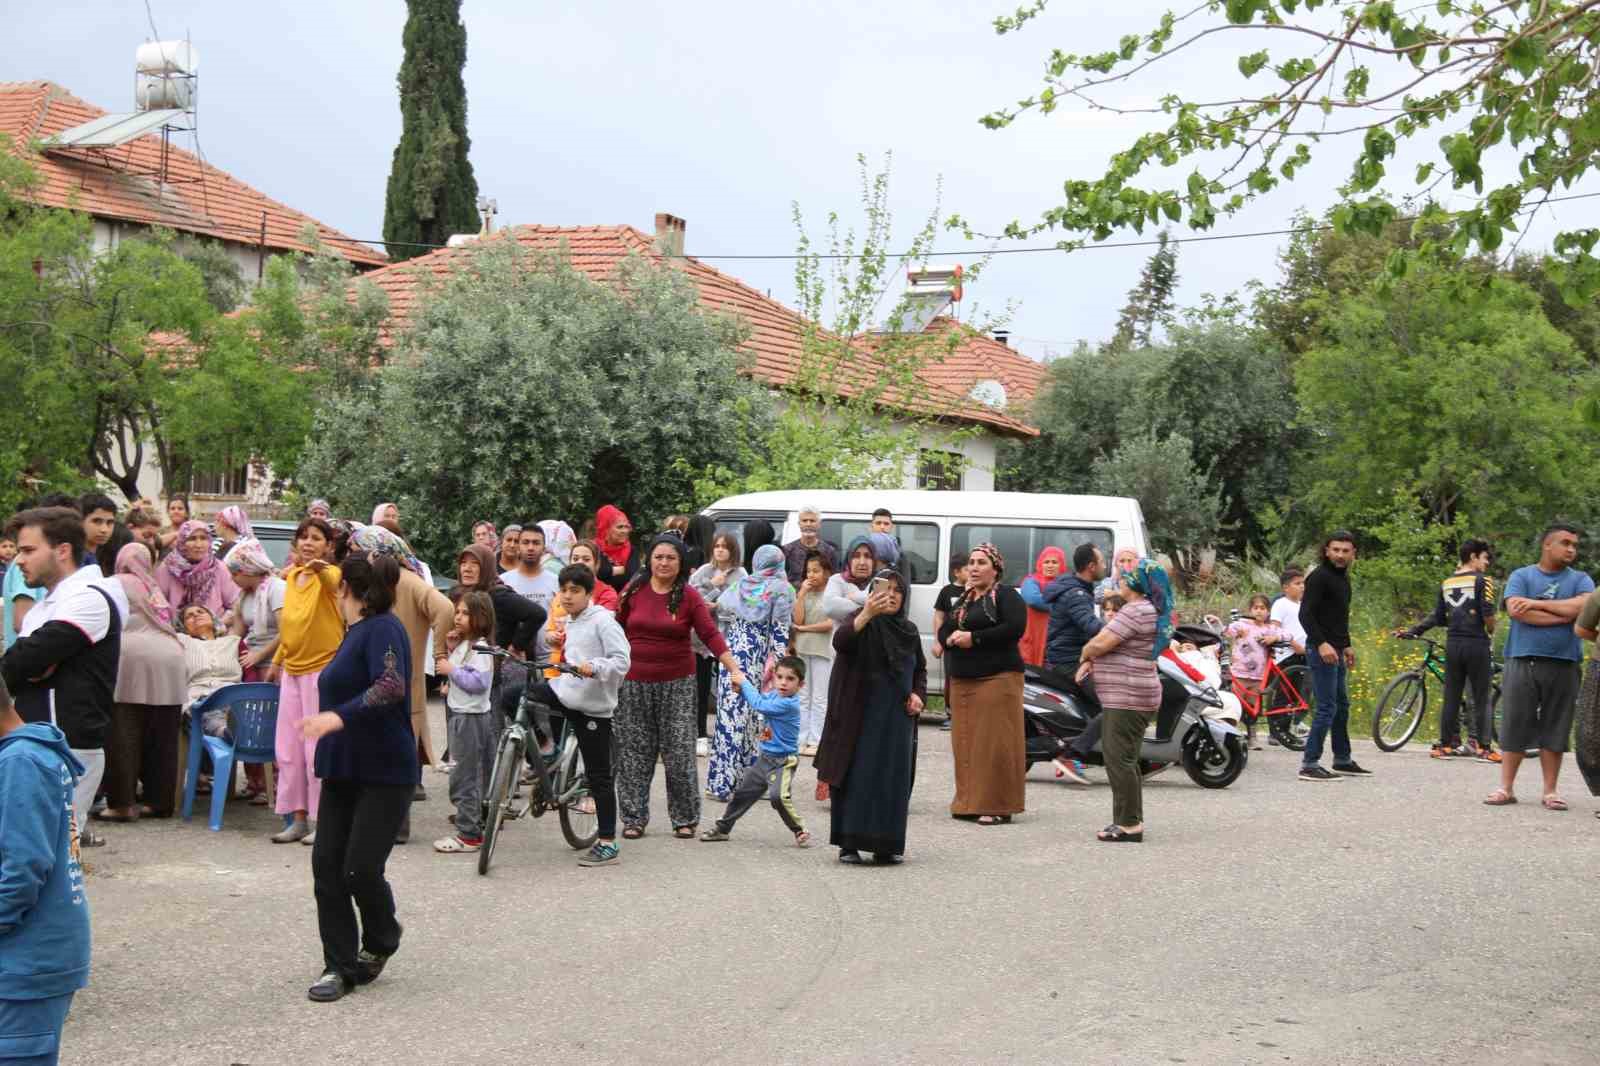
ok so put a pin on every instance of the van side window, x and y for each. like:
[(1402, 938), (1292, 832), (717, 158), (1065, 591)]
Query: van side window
[(1021, 545), (919, 543)]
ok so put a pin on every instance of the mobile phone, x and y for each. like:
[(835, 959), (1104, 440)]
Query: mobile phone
[(881, 584)]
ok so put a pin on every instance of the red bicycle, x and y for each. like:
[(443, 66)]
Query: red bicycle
[(1279, 701)]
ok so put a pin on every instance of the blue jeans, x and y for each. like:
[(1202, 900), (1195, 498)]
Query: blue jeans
[(1332, 694), (30, 1030)]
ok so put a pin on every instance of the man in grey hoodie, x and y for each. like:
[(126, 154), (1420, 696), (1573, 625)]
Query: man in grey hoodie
[(594, 643)]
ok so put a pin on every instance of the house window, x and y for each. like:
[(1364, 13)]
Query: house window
[(939, 469), (231, 482)]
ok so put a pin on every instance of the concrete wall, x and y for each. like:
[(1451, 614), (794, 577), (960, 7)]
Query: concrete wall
[(108, 233)]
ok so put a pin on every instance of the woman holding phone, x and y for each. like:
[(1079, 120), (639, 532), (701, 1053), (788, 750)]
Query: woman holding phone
[(984, 665)]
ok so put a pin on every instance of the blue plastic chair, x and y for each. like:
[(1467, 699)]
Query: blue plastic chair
[(253, 719)]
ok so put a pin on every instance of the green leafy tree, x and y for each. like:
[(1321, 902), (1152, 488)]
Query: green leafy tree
[(1151, 301), (523, 389), (432, 193), (1455, 408), (1180, 507), (1452, 81)]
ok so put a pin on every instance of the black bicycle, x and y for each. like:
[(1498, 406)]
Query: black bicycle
[(556, 783)]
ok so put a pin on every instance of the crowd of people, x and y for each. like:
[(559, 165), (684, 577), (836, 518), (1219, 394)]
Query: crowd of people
[(118, 625)]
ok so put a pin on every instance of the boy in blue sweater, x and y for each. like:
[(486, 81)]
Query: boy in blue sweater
[(773, 771), (44, 917)]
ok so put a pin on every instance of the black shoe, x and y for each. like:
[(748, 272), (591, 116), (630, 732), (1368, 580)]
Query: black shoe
[(329, 987), (850, 858), (1316, 773), (884, 858), (1350, 769), (419, 795), (371, 964)]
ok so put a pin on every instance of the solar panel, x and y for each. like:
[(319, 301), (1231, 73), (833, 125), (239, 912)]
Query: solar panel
[(108, 131)]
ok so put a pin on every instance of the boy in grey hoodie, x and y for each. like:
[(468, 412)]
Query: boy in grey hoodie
[(595, 644), (44, 917)]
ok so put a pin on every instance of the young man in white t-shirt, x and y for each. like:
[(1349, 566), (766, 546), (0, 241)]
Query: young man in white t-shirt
[(529, 580), (1286, 612)]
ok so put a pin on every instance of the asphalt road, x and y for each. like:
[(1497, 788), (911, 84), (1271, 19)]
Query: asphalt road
[(1386, 920)]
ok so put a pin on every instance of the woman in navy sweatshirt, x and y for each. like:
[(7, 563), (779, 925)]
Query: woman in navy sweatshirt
[(367, 762)]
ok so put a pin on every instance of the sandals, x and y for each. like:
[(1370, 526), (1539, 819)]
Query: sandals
[(994, 819), (1115, 834), (802, 839), (632, 832), (683, 832), (1499, 798), (1554, 802), (456, 846), (714, 834)]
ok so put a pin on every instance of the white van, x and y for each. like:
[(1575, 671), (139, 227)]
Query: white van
[(931, 526)]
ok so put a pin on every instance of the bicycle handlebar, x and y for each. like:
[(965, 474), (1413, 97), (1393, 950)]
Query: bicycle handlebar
[(543, 664)]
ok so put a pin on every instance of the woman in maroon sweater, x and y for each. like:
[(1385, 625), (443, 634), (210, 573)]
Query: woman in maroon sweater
[(656, 707)]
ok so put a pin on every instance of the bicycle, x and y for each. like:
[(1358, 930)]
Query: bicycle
[(558, 784), (1285, 707), (1404, 701)]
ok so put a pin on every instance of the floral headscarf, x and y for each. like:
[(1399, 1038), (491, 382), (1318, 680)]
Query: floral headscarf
[(972, 596), (494, 536), (247, 556), (196, 578), (1149, 578), (137, 574), (375, 540), (237, 521), (320, 505), (558, 538), (764, 591)]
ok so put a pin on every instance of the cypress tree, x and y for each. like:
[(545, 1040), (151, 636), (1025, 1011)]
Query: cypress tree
[(1150, 301), (432, 193)]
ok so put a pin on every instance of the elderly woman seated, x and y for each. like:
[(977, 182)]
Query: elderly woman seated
[(212, 658)]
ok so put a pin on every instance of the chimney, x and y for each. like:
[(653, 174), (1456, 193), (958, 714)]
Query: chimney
[(669, 233), (1002, 335)]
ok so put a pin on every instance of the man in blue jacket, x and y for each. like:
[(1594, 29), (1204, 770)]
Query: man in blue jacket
[(1073, 623), (44, 916)]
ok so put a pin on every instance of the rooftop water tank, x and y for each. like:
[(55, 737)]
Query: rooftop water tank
[(167, 57)]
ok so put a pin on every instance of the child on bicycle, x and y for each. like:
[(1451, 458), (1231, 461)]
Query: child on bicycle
[(470, 726), (1250, 636), (595, 644), (773, 771)]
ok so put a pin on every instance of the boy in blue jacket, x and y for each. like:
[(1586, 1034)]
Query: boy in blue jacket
[(773, 771), (44, 917)]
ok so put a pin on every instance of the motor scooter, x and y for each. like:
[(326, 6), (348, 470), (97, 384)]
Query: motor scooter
[(1191, 726)]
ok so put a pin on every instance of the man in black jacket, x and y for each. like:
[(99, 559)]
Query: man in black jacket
[(1325, 615), (1465, 607), (1073, 623), (63, 667)]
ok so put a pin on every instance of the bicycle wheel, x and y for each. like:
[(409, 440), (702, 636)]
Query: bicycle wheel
[(1300, 721), (507, 764), (581, 828), (1399, 712)]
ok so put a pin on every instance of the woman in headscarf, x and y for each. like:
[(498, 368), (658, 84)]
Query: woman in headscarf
[(261, 595), (611, 532), (232, 525), (846, 591), (142, 743), (211, 659), (755, 616), (383, 511), (1046, 568), (558, 541), (697, 541), (1122, 658), (757, 535), (655, 708), (984, 664), (483, 532), (516, 618), (320, 508), (423, 610), (192, 574), (869, 741)]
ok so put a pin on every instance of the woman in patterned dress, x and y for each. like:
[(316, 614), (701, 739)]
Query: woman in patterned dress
[(755, 617)]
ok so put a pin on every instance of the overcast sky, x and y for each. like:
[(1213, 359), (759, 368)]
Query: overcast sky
[(723, 113)]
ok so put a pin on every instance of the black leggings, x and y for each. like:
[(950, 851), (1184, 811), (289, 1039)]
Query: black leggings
[(594, 742), (1467, 661), (356, 827), (705, 680)]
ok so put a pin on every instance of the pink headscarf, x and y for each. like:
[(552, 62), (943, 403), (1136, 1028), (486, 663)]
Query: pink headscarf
[(197, 579), (237, 521), (137, 573), (377, 512)]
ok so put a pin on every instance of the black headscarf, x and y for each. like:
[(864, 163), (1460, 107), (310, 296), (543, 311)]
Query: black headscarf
[(642, 575), (891, 640), (701, 530), (757, 533)]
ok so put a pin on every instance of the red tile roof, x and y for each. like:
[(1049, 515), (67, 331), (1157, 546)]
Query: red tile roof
[(977, 357), (776, 331), (119, 183)]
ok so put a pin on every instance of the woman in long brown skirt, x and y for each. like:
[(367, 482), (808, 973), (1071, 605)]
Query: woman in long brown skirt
[(984, 666)]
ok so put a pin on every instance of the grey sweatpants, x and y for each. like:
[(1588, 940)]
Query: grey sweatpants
[(769, 775), (472, 745)]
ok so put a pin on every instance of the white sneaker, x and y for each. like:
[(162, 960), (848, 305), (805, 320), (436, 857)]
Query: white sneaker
[(702, 747)]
